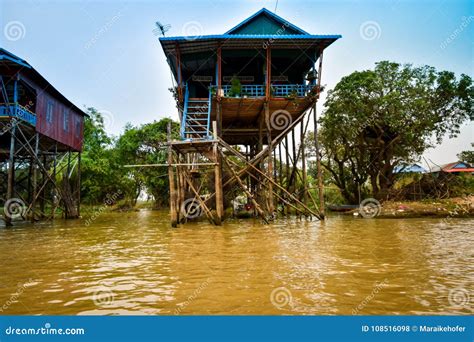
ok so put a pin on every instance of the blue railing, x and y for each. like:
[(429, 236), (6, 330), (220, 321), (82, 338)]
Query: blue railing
[(209, 135), (298, 90), (277, 90), (185, 112), (251, 90), (18, 111)]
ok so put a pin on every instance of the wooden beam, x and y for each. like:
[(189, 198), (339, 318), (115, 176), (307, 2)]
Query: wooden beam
[(173, 209), (316, 145), (218, 178), (11, 172), (198, 197), (249, 195), (271, 206), (241, 157), (269, 73)]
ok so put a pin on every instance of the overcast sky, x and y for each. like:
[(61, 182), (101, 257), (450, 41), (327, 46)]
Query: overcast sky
[(104, 53)]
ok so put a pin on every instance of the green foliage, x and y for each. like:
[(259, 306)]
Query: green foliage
[(236, 87), (376, 119), (103, 159), (467, 156)]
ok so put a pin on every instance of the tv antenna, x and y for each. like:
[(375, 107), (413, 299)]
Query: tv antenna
[(161, 29)]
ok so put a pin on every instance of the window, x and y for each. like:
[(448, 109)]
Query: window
[(78, 128), (49, 112), (66, 120)]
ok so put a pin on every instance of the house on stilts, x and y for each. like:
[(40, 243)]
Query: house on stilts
[(244, 98), (41, 136)]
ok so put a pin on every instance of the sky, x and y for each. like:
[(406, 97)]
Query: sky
[(104, 53)]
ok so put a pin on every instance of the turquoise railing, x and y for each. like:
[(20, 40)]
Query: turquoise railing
[(277, 90), (209, 134), (18, 111), (251, 90), (283, 90)]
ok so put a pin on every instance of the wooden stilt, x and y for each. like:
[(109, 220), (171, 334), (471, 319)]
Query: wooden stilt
[(249, 195), (11, 172), (34, 181), (303, 164), (198, 197), (218, 177), (316, 144), (271, 206), (173, 211), (79, 185), (251, 166), (287, 169)]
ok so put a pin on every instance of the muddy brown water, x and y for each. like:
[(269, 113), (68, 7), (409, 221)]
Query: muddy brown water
[(134, 263)]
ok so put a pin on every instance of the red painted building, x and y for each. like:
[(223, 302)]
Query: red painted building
[(41, 138), (27, 95)]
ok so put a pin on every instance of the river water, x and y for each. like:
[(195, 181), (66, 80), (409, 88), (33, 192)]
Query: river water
[(134, 263)]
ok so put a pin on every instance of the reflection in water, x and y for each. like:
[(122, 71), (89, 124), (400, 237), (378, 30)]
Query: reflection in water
[(134, 263)]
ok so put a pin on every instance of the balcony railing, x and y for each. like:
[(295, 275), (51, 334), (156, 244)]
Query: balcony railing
[(277, 90), (17, 111)]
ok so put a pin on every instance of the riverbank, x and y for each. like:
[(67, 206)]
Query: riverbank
[(444, 208)]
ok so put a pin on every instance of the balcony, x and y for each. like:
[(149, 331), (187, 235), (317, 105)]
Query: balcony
[(277, 90), (17, 111)]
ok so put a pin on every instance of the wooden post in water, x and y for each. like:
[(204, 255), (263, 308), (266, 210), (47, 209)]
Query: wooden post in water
[(11, 172), (316, 143), (173, 211), (287, 169), (35, 181), (303, 164), (271, 206), (218, 177)]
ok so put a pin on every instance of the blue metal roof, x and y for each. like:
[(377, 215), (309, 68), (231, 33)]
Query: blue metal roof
[(254, 36), (270, 14), (4, 54)]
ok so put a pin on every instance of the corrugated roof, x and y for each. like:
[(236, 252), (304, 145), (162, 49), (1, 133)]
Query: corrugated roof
[(253, 36), (8, 56)]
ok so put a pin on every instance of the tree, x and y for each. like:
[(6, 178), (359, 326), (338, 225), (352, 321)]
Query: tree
[(467, 156), (103, 160), (99, 172), (376, 119), (146, 145)]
